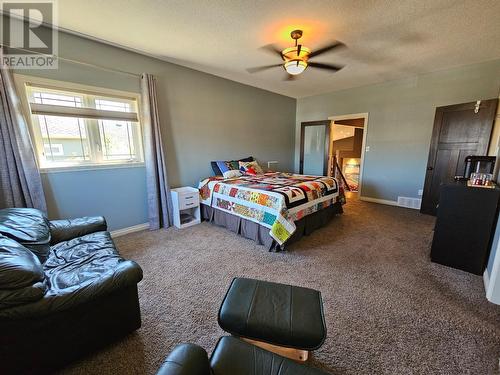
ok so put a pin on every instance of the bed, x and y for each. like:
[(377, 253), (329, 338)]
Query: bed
[(274, 209)]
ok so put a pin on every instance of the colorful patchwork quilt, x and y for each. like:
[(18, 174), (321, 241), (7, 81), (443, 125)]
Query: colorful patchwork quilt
[(275, 200)]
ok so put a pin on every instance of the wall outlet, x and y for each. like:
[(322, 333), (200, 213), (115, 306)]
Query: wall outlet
[(420, 192)]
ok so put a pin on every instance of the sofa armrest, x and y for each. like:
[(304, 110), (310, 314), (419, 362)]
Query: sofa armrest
[(65, 230), (186, 359)]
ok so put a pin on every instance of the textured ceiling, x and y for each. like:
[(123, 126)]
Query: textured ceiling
[(386, 39)]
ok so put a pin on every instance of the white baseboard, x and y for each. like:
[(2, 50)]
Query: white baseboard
[(376, 200), (486, 280), (132, 229)]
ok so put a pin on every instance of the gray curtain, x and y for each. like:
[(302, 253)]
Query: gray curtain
[(159, 199), (20, 182)]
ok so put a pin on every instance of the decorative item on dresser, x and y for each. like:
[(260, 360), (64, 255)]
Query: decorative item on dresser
[(186, 205), (465, 225)]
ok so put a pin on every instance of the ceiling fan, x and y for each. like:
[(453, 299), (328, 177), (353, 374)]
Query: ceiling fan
[(296, 59)]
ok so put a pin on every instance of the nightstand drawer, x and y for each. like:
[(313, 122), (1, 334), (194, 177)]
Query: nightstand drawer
[(188, 200)]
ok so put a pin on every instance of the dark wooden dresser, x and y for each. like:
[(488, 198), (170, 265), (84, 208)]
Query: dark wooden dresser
[(466, 220)]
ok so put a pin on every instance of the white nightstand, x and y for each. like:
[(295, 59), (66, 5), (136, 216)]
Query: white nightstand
[(186, 204)]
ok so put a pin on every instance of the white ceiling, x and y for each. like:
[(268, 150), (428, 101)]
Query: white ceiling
[(386, 39)]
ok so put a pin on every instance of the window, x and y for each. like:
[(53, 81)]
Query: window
[(83, 128), (55, 149)]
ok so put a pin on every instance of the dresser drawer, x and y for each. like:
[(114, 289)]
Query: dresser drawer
[(188, 200)]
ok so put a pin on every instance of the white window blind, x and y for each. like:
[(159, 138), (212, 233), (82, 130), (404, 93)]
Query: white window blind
[(59, 110)]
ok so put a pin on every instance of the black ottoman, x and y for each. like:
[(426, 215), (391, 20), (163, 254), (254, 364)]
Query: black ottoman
[(284, 319)]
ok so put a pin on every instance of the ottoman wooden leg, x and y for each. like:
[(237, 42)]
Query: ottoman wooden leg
[(295, 354)]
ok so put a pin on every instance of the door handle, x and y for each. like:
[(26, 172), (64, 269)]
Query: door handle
[(429, 168)]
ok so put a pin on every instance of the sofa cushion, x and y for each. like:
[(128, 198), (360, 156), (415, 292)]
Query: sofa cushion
[(278, 314), (234, 356), (79, 271), (67, 229), (27, 226), (81, 260), (19, 268), (30, 293)]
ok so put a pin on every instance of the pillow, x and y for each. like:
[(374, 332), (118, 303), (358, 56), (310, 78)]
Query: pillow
[(29, 227), (251, 168), (19, 267), (219, 167), (232, 173)]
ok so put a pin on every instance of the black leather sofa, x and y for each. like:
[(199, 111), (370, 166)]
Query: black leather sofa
[(64, 290), (231, 356)]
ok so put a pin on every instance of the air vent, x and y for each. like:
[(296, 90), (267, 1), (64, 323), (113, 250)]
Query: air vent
[(410, 202)]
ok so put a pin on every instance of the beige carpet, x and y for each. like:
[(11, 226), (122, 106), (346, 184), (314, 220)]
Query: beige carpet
[(388, 309)]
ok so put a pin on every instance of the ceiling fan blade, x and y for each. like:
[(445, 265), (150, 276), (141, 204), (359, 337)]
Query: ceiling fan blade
[(271, 48), (330, 67), (261, 68), (326, 49)]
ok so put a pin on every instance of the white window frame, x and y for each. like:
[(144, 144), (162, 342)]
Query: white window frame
[(24, 81)]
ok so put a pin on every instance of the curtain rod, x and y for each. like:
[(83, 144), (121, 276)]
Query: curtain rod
[(79, 62)]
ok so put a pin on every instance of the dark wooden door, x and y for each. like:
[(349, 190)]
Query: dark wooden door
[(459, 131)]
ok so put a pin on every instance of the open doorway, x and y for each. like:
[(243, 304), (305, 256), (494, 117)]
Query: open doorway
[(346, 151)]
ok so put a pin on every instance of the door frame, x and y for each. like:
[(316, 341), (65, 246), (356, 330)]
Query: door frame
[(303, 126), (363, 115)]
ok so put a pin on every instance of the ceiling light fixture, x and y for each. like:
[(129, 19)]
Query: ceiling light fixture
[(296, 58), (295, 67)]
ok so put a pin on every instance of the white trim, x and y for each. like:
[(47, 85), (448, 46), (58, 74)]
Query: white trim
[(23, 80), (128, 230), (363, 144), (486, 280), (92, 167), (349, 116), (492, 293), (381, 201)]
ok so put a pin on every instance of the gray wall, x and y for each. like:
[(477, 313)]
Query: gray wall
[(204, 118), (207, 117), (401, 116)]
